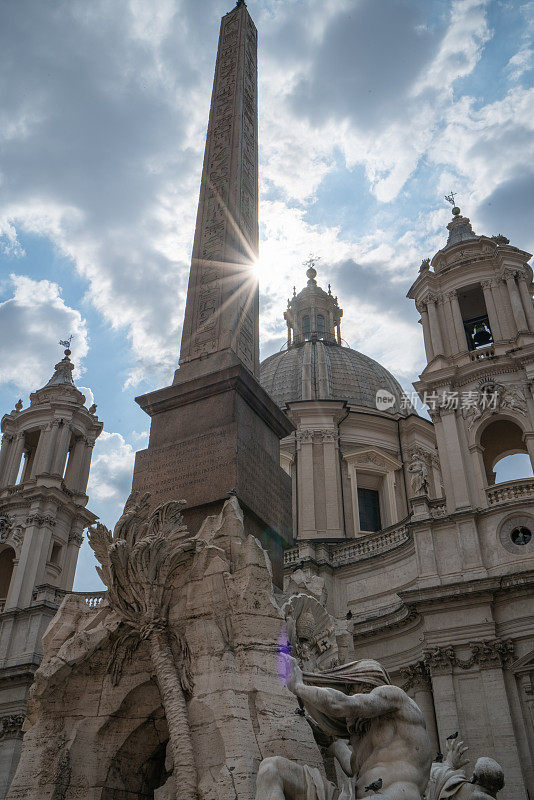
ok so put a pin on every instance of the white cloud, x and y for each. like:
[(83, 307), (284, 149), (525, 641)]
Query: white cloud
[(105, 131), (32, 321), (111, 471)]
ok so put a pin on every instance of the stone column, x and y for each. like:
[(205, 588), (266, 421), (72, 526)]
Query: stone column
[(458, 322), (479, 473), (332, 481), (306, 504), (338, 333), (439, 662), (288, 335), (7, 438), (391, 500), (529, 442), (85, 467), (457, 469), (48, 457), (502, 728), (455, 344), (422, 688), (354, 496), (73, 549), (429, 350), (491, 308), (435, 328), (61, 449), (17, 449), (427, 568), (523, 700), (515, 300), (74, 466), (31, 562), (526, 297), (42, 450)]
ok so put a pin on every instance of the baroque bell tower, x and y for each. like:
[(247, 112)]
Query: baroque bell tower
[(45, 460), (477, 314)]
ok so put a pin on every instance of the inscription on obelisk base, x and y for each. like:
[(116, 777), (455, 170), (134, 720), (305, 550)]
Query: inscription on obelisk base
[(216, 430)]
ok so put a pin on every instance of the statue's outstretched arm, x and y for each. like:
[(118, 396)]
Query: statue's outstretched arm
[(379, 701)]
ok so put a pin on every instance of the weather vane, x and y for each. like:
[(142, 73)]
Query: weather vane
[(311, 261), (450, 198), (66, 344)]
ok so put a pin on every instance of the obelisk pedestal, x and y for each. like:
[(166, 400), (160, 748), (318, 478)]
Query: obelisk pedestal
[(216, 431)]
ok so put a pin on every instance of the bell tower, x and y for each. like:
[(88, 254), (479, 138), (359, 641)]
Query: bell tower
[(45, 459), (477, 314)]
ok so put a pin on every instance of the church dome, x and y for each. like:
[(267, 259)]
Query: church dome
[(315, 365), (322, 370)]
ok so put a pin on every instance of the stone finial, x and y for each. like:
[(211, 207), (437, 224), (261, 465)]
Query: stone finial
[(92, 409), (18, 407), (311, 272)]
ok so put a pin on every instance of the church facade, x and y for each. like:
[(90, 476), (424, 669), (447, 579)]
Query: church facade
[(430, 561)]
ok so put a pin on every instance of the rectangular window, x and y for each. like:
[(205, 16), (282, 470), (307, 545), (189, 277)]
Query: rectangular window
[(475, 317), (369, 507)]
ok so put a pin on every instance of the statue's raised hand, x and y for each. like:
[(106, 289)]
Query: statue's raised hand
[(294, 675), (455, 753)]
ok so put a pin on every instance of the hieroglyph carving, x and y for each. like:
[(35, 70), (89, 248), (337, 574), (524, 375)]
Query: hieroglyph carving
[(221, 295), (138, 564)]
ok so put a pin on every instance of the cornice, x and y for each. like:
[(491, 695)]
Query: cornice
[(475, 588)]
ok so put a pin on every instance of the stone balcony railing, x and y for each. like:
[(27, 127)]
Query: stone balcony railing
[(482, 354), (511, 490), (348, 552), (93, 599)]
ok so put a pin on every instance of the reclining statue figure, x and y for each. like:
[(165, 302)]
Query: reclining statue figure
[(388, 751), (448, 779)]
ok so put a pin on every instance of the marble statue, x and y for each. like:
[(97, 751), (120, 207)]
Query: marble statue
[(388, 750), (448, 779), (419, 474)]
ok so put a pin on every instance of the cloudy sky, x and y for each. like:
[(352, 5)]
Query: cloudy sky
[(370, 111)]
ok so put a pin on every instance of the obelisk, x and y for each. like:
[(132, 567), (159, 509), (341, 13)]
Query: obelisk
[(215, 431), (221, 323)]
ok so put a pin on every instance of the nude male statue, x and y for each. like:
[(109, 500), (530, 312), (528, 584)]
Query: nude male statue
[(389, 751)]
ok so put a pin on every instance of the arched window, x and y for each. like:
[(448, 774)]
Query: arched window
[(306, 327), (513, 467), (7, 556), (504, 452), (320, 325)]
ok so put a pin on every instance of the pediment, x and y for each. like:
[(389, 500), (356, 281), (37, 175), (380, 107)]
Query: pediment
[(374, 459), (523, 664)]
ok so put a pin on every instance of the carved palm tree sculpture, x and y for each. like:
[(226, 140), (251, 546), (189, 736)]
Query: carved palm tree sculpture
[(139, 562)]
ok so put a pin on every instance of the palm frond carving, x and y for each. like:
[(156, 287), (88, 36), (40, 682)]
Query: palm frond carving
[(139, 564)]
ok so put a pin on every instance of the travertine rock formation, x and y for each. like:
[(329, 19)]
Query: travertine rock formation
[(96, 724)]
